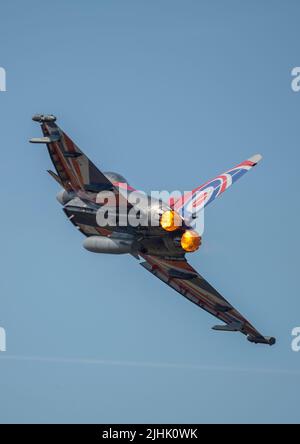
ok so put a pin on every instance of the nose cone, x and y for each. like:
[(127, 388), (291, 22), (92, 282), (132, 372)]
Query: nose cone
[(64, 197)]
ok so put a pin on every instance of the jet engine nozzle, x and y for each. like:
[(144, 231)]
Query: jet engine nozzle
[(190, 241), (170, 220)]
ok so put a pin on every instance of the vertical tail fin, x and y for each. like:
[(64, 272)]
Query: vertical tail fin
[(194, 201)]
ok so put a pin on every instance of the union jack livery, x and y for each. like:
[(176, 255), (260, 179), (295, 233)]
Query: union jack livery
[(106, 209), (194, 201)]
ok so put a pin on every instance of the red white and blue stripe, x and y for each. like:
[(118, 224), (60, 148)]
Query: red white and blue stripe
[(194, 201)]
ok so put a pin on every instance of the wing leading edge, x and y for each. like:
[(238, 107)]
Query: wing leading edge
[(183, 278), (75, 171)]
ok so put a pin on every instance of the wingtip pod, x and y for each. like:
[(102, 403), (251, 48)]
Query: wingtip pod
[(43, 118), (255, 159), (262, 339)]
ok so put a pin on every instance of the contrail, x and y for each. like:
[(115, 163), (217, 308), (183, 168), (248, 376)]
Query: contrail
[(145, 364)]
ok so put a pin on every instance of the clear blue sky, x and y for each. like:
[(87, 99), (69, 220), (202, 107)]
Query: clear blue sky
[(169, 93)]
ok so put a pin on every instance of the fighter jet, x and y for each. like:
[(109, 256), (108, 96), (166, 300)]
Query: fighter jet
[(101, 204)]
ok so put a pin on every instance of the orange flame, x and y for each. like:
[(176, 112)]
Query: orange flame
[(190, 241), (170, 220)]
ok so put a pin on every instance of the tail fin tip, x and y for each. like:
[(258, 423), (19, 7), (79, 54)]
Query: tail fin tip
[(256, 158)]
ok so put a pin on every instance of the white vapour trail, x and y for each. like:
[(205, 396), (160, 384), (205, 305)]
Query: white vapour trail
[(158, 365)]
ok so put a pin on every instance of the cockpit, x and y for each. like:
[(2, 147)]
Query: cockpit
[(115, 177)]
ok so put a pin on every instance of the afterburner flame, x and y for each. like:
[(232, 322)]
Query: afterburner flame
[(170, 220), (190, 241)]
